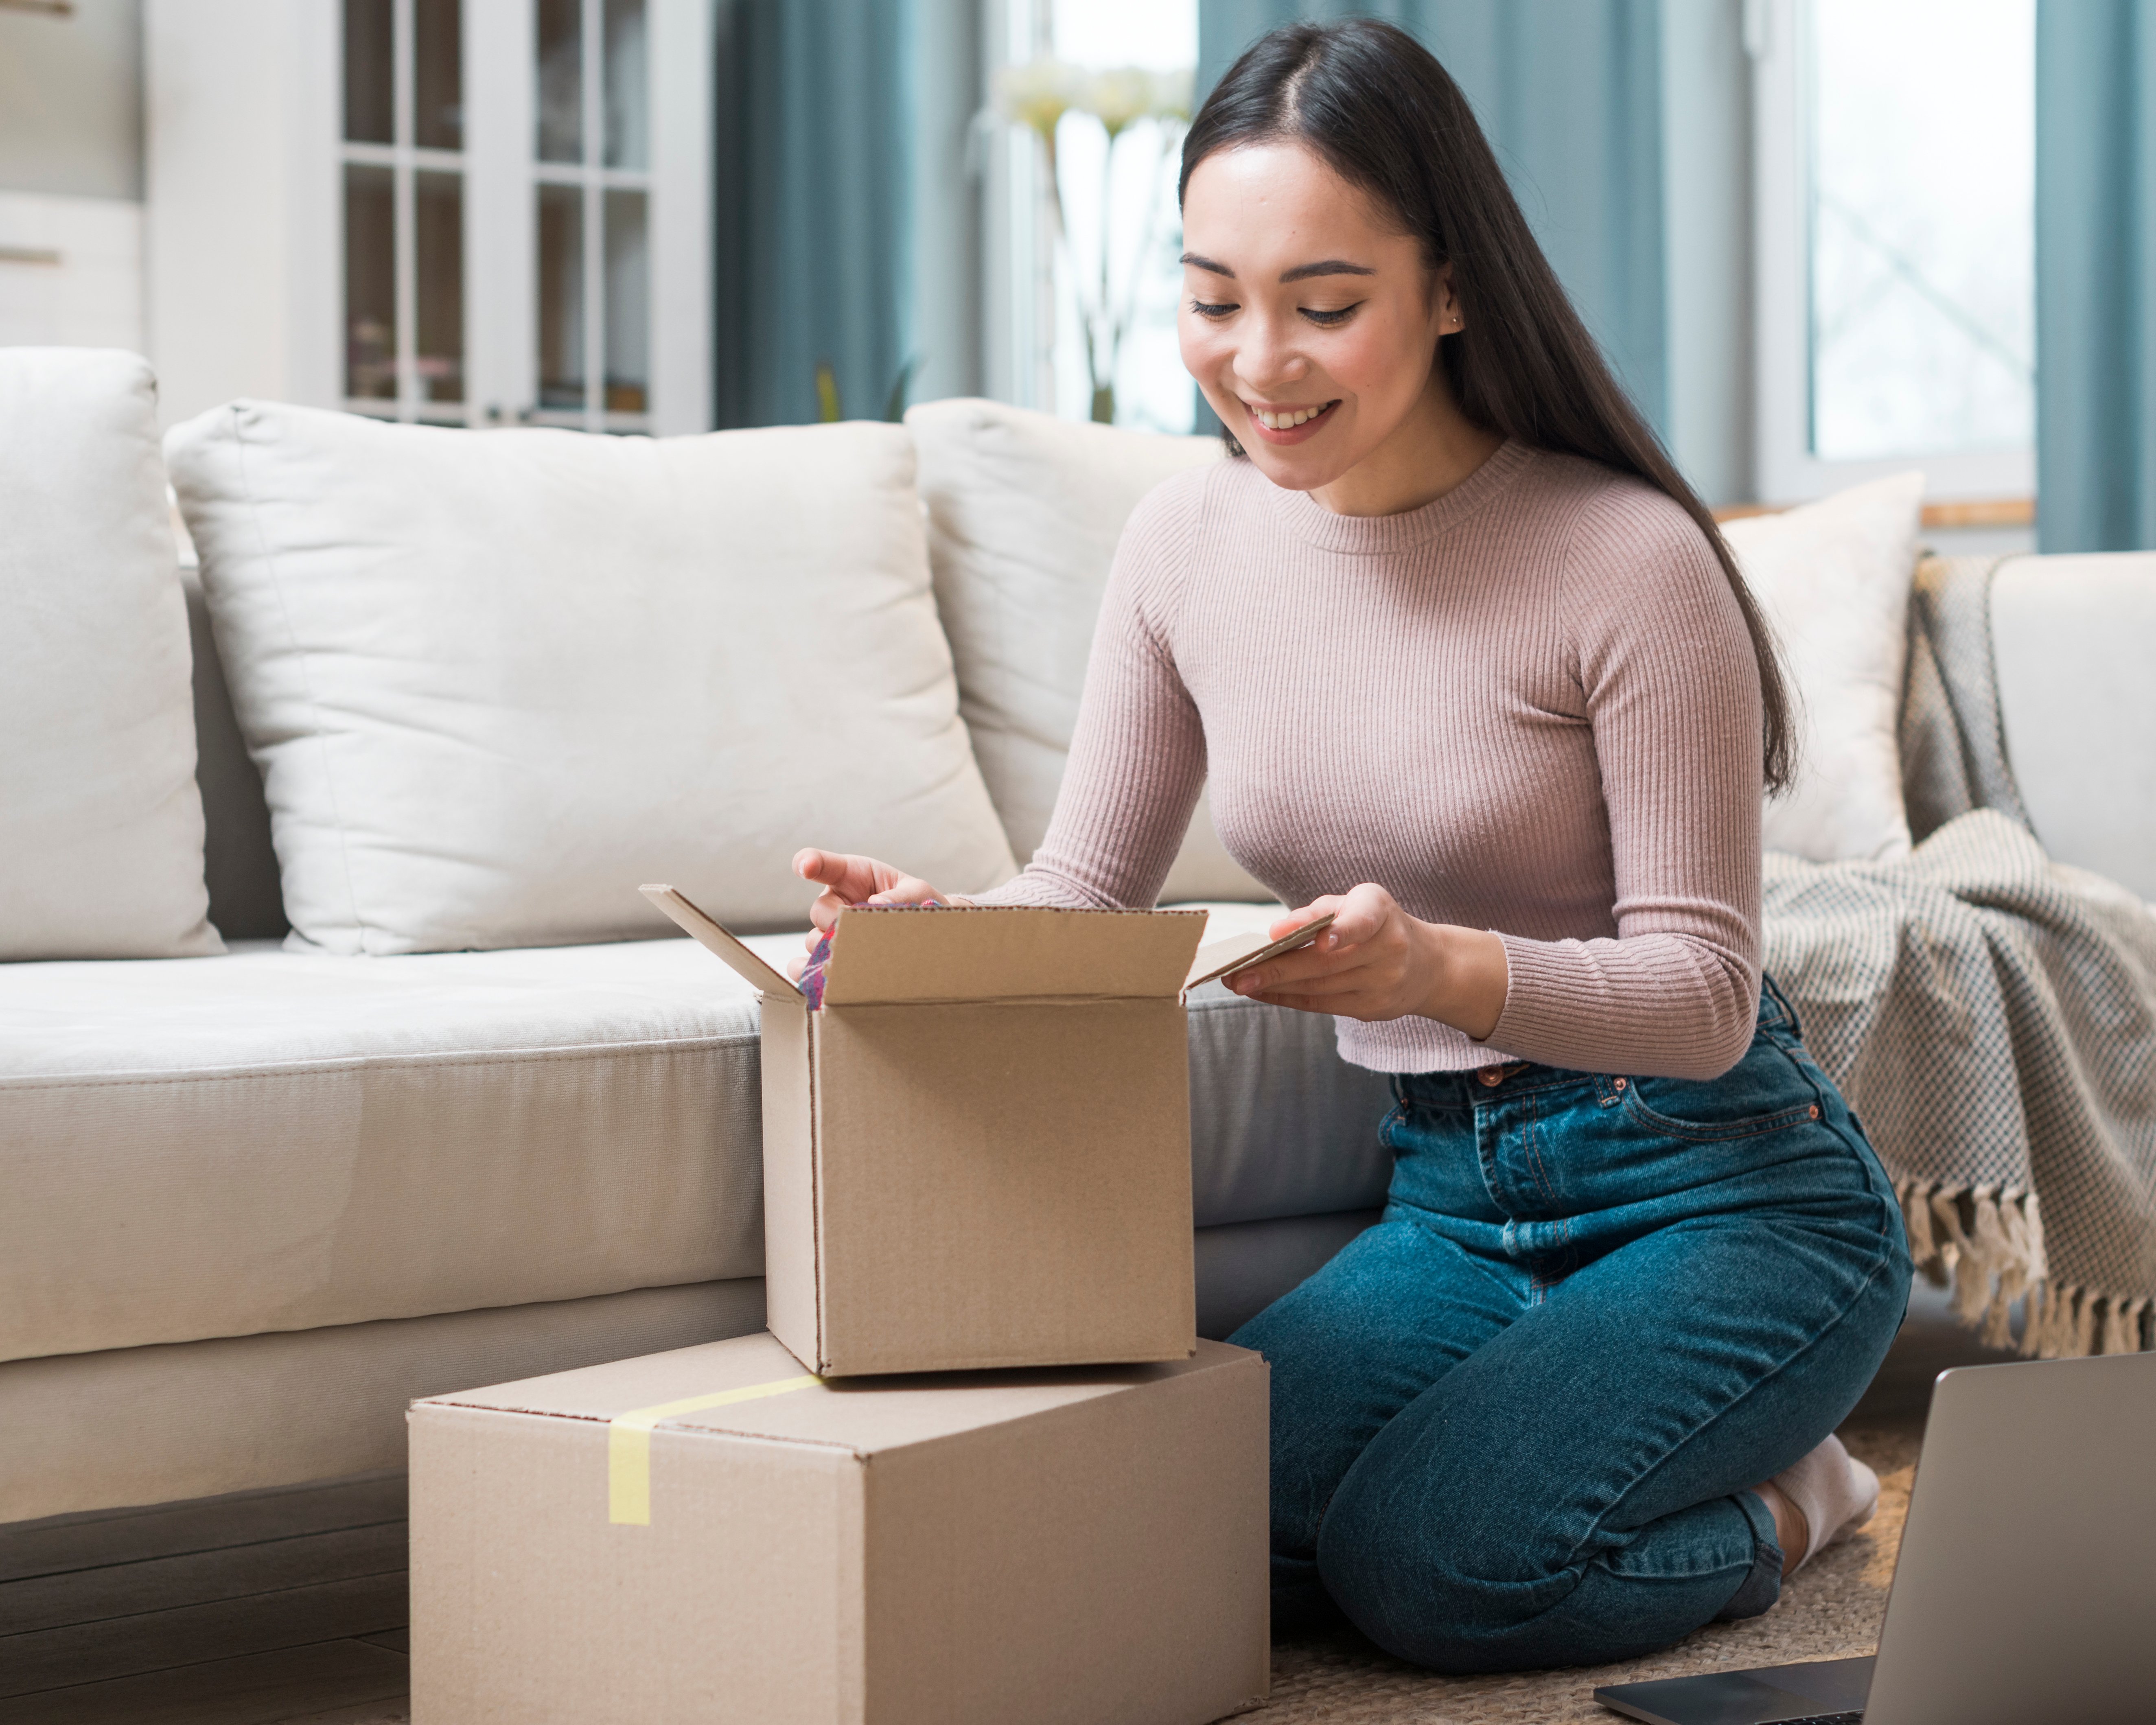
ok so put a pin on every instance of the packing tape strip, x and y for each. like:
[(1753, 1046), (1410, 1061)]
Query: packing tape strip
[(628, 1444)]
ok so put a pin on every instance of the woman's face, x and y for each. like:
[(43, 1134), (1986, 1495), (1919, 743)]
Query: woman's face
[(1311, 323)]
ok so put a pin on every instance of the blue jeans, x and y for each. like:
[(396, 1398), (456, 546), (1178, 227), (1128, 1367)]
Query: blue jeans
[(1517, 1423)]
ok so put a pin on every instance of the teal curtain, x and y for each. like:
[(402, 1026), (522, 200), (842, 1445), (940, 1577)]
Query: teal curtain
[(1569, 92), (2095, 274), (812, 257)]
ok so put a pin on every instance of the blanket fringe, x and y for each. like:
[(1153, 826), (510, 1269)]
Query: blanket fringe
[(1987, 1243)]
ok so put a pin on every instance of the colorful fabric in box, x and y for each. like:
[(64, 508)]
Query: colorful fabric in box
[(819, 956)]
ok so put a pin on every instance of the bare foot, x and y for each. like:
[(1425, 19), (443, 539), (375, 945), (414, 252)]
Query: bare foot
[(1792, 1532)]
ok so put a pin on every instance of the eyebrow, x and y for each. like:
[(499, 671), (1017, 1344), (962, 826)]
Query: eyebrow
[(1302, 272)]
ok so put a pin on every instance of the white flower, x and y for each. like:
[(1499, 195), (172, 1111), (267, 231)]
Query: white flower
[(1120, 95), (1172, 94), (1039, 93)]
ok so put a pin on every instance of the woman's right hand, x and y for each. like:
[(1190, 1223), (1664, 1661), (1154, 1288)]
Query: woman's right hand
[(857, 880)]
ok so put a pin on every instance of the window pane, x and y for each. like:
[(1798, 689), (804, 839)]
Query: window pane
[(369, 104), (628, 305), (561, 92), (561, 296), (438, 233), (1923, 224), (437, 119), (627, 126), (370, 284)]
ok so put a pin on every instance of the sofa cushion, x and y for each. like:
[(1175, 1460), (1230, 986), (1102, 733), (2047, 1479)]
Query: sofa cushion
[(1833, 578), (278, 1141), (2074, 639), (1023, 513), (100, 826), (495, 679)]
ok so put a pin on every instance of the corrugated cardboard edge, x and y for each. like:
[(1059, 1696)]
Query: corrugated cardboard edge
[(1226, 958), (708, 935), (822, 1362), (907, 1366), (792, 1229), (891, 955)]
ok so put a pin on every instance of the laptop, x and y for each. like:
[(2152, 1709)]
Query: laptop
[(2026, 1589)]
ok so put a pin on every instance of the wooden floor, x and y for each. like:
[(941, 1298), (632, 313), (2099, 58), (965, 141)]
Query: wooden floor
[(268, 1608)]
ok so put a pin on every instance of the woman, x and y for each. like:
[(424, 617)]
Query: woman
[(1451, 627)]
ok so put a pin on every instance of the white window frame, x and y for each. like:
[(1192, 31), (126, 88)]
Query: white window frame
[(1776, 33), (1018, 249), (402, 160)]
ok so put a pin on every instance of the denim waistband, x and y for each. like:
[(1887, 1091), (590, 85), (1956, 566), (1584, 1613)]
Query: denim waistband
[(1462, 1088)]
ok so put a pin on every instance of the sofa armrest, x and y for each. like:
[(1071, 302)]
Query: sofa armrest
[(2074, 639)]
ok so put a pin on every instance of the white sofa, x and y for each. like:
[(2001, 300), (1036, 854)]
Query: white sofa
[(251, 1205), (258, 1202)]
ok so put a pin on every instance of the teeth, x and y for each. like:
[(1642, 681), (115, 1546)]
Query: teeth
[(1287, 422)]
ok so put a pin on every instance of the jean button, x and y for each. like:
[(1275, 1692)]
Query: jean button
[(1620, 1083), (1491, 1075)]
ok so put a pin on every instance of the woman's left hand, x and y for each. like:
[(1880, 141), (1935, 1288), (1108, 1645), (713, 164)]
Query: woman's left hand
[(1376, 962)]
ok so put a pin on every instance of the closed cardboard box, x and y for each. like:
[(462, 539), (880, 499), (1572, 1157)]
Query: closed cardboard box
[(714, 1534), (977, 1151)]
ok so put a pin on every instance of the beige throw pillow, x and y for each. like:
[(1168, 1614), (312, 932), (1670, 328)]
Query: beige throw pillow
[(1023, 513), (101, 822), (1834, 579), (496, 679)]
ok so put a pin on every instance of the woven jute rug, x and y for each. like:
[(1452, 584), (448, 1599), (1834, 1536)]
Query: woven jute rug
[(1831, 1609)]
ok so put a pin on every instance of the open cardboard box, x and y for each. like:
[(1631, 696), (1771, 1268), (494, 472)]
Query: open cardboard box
[(711, 1534), (977, 1152)]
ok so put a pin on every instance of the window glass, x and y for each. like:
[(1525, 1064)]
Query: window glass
[(1922, 295), (628, 126), (561, 296), (561, 80), (370, 283), (438, 226), (370, 107), (627, 304), (438, 118)]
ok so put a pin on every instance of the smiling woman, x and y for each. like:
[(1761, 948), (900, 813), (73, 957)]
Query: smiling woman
[(1467, 666), (1276, 420), (1302, 296)]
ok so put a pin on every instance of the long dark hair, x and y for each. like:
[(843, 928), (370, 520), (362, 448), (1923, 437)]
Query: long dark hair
[(1375, 105)]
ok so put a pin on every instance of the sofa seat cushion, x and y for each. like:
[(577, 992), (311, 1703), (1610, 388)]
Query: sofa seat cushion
[(278, 1141)]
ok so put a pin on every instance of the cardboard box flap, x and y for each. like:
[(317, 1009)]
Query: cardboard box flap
[(729, 951), (1225, 957), (889, 955)]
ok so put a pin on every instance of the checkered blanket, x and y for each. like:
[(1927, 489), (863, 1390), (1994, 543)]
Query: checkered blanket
[(1990, 1016)]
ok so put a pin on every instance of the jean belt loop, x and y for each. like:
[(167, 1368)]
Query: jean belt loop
[(1775, 1012)]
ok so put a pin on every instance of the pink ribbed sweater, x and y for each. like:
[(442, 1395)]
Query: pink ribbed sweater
[(1530, 707)]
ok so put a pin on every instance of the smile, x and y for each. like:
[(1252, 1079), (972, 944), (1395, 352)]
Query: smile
[(1288, 424)]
